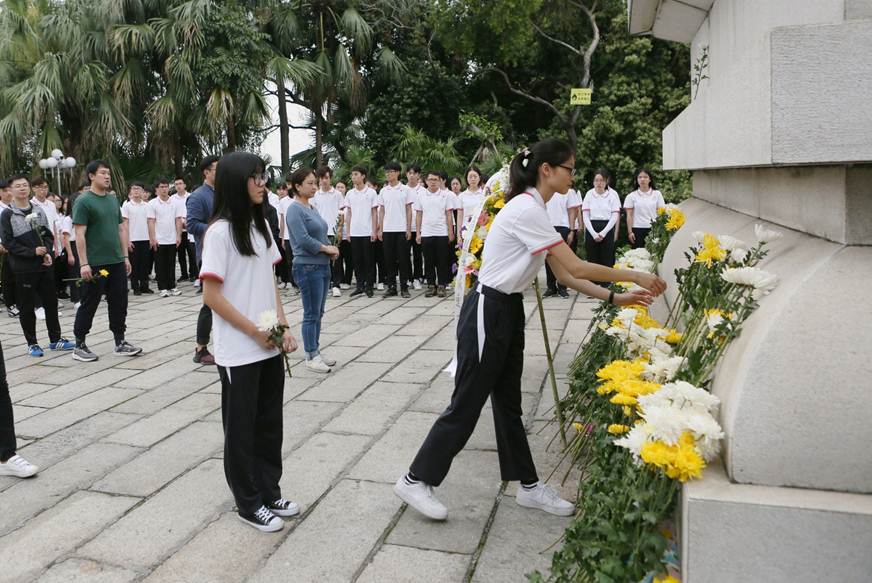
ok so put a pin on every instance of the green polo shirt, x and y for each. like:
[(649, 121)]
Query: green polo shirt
[(101, 215)]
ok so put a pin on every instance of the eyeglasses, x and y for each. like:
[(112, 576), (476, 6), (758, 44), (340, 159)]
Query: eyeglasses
[(569, 169), (261, 178)]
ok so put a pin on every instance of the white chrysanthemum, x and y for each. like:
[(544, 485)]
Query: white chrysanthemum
[(267, 320), (665, 423), (662, 368), (762, 281), (729, 243), (640, 253), (738, 254), (699, 236), (482, 233), (634, 440), (708, 448), (684, 394), (764, 235), (31, 218), (703, 425), (713, 319)]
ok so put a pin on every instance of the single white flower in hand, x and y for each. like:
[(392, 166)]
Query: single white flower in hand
[(764, 235), (267, 320)]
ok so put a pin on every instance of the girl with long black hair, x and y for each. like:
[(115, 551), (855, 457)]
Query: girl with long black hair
[(601, 211), (238, 285), (490, 332), (642, 205)]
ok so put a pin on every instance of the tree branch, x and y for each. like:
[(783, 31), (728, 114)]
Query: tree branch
[(526, 95), (556, 40)]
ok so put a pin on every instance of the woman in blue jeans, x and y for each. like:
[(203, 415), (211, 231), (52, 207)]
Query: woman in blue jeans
[(307, 232)]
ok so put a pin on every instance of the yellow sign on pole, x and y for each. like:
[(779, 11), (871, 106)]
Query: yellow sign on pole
[(580, 96)]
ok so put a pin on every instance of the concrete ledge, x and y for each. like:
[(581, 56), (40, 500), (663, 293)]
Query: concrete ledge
[(733, 532)]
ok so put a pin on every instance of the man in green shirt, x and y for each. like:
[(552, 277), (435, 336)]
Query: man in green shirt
[(101, 240)]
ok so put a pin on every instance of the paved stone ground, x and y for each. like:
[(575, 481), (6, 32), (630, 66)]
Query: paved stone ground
[(132, 485)]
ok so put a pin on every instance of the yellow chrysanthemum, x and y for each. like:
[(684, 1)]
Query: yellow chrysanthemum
[(628, 411), (642, 319), (711, 251), (666, 579), (622, 399), (675, 221), (661, 210), (104, 273), (500, 203), (674, 336), (475, 244), (617, 429), (681, 461)]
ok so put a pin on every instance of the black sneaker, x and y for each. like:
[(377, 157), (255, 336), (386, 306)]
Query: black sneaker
[(203, 356), (563, 293), (440, 291), (431, 291), (63, 295), (405, 293), (369, 292), (356, 292), (549, 293), (12, 311), (181, 279), (391, 292), (125, 348), (284, 508), (83, 353), (147, 290), (136, 292), (263, 520)]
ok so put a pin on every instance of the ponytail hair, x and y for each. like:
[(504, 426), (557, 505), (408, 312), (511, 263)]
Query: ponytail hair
[(524, 169), (297, 178)]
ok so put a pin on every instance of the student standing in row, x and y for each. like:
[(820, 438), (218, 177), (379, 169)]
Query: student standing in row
[(27, 235), (562, 209), (187, 253), (165, 236), (490, 333), (68, 238), (470, 200), (8, 283), (101, 240), (395, 230), (435, 218), (413, 183), (134, 212), (283, 269), (239, 285), (601, 211), (312, 256), (199, 213), (60, 265), (362, 204), (642, 205), (328, 201), (345, 255)]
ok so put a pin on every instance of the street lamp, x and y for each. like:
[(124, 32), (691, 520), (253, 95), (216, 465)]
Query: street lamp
[(56, 164)]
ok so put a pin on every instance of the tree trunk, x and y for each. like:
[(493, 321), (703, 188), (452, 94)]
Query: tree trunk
[(319, 134), (284, 130), (231, 134)]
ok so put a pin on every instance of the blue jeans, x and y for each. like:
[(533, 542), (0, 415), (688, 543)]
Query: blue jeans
[(314, 282)]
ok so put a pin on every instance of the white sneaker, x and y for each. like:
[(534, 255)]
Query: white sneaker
[(337, 293), (283, 508), (416, 284), (344, 286), (327, 360), (380, 287), (317, 364), (197, 282), (18, 466), (77, 305), (175, 292), (164, 293), (420, 497), (40, 313), (544, 498)]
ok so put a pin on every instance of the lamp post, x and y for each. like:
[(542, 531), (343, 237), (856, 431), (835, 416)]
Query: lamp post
[(56, 164)]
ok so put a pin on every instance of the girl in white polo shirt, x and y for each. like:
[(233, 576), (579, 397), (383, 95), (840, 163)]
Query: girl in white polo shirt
[(600, 211), (470, 200), (435, 218), (238, 284), (562, 209), (490, 332), (642, 205)]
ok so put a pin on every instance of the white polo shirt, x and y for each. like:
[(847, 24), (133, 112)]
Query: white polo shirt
[(247, 283), (182, 202), (433, 206), (518, 241), (415, 192), (644, 205), (361, 203), (282, 211), (273, 199), (469, 201), (164, 215), (558, 209), (453, 199), (328, 204), (395, 200), (136, 214), (601, 207), (67, 227)]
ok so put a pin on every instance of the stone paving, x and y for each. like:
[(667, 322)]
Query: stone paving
[(132, 486)]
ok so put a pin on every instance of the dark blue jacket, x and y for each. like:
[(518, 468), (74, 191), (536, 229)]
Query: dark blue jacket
[(199, 205)]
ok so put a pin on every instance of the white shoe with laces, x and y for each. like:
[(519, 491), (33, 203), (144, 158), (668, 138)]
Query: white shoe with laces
[(18, 466), (40, 313), (344, 286), (380, 287), (417, 284), (420, 497), (327, 360), (543, 497), (175, 292), (284, 508), (317, 364), (337, 293)]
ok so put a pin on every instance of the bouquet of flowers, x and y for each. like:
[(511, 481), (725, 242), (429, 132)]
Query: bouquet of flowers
[(469, 256), (268, 321)]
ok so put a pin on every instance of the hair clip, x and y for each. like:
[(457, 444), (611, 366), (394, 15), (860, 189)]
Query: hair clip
[(526, 153)]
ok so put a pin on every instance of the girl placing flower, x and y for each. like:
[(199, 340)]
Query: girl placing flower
[(490, 332), (238, 285)]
